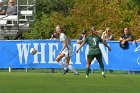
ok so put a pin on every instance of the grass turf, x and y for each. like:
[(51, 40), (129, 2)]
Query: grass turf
[(20, 82)]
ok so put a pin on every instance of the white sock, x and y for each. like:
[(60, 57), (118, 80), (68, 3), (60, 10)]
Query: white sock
[(62, 65), (72, 69)]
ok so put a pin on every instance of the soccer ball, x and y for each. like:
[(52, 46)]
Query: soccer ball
[(33, 51)]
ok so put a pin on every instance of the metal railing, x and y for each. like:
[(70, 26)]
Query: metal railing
[(28, 7)]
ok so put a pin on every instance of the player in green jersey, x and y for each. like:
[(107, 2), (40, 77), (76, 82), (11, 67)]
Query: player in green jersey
[(94, 50)]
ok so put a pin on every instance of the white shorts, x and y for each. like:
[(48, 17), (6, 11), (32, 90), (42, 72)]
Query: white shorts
[(67, 52)]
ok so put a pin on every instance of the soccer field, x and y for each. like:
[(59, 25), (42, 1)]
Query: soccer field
[(20, 82)]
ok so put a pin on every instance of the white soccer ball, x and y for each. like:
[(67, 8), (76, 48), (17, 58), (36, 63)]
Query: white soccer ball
[(33, 51)]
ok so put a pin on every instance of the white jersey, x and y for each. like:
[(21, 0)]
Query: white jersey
[(68, 50)]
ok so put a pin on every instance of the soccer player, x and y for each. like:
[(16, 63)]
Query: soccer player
[(66, 51), (94, 50)]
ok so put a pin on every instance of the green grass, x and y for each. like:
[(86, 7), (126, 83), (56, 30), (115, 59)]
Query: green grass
[(20, 82)]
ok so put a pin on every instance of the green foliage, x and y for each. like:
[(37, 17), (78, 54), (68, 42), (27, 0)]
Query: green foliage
[(40, 29), (74, 15), (50, 6)]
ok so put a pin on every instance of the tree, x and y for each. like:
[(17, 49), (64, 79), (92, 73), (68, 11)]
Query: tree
[(74, 15)]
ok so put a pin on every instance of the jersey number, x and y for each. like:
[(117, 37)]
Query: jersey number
[(94, 41)]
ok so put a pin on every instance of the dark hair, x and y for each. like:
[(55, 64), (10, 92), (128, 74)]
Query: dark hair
[(55, 35), (84, 31)]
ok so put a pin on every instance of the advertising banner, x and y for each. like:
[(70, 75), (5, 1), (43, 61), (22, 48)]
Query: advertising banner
[(16, 54)]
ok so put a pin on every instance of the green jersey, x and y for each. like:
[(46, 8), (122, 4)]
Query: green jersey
[(93, 42)]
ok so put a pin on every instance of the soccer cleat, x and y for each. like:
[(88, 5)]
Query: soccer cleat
[(65, 71), (103, 74), (86, 76)]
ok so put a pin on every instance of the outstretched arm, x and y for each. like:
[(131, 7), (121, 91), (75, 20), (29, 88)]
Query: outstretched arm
[(80, 47), (79, 41), (103, 35), (106, 46), (138, 40), (134, 41)]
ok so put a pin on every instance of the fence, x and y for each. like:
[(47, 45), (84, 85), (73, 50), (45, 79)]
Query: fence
[(15, 54), (12, 24)]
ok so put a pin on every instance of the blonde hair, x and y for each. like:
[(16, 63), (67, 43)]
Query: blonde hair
[(11, 1), (108, 29), (59, 27)]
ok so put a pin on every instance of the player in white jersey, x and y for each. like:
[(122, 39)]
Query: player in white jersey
[(66, 51)]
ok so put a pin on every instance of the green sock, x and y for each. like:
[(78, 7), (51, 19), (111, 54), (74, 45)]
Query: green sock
[(87, 71), (102, 66)]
